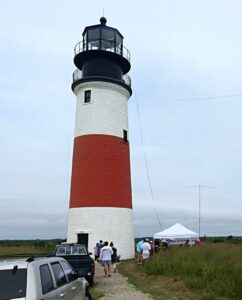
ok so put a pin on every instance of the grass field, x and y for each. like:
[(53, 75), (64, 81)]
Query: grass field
[(28, 248), (213, 271), (160, 287)]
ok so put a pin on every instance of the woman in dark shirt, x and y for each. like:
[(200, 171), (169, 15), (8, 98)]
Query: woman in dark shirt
[(114, 256)]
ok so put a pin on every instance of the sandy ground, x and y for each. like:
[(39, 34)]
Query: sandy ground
[(116, 287)]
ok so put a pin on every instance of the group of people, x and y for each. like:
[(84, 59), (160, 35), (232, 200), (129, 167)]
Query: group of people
[(146, 248), (143, 249), (107, 256)]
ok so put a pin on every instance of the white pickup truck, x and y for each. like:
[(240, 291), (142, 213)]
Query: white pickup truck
[(43, 278)]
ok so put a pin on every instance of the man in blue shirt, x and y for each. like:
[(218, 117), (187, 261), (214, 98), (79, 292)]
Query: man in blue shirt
[(139, 251)]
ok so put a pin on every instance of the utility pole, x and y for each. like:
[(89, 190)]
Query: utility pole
[(199, 187)]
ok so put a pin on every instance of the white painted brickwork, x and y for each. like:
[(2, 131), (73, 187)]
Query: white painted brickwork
[(103, 223), (106, 114)]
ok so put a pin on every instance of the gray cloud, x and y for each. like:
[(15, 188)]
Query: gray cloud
[(179, 50)]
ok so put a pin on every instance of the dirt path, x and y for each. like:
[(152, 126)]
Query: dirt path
[(117, 287)]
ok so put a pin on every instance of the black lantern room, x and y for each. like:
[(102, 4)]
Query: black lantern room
[(101, 56)]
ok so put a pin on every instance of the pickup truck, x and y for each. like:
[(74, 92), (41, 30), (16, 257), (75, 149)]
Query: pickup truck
[(79, 258)]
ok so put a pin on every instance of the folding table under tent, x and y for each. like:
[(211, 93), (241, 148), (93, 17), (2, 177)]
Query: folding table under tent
[(177, 235)]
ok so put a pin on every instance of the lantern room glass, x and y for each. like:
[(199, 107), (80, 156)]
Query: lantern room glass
[(103, 38)]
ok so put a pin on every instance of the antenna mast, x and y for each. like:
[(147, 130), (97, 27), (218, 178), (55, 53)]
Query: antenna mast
[(199, 187)]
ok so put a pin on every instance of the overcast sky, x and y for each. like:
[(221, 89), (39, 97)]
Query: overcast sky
[(186, 65)]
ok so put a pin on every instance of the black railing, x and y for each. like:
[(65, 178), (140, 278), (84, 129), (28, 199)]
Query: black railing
[(77, 75), (103, 45)]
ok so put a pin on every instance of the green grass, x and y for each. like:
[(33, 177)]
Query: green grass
[(159, 287), (214, 270), (33, 248)]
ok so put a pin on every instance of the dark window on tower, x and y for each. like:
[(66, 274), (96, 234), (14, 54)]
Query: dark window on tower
[(87, 97), (125, 132)]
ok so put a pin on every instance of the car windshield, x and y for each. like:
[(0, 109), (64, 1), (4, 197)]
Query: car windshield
[(71, 250), (13, 283)]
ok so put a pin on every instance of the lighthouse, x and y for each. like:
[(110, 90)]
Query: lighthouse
[(100, 199)]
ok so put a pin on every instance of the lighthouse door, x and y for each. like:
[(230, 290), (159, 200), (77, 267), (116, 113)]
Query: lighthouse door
[(82, 238)]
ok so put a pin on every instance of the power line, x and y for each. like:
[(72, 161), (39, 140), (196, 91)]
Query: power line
[(149, 164), (146, 161), (164, 168), (200, 98)]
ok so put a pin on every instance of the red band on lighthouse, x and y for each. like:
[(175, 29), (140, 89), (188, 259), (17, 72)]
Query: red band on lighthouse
[(100, 172)]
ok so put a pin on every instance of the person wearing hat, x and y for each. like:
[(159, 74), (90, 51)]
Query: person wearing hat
[(164, 245), (146, 248)]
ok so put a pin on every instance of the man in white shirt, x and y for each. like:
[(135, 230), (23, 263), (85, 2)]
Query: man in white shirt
[(145, 250), (105, 258)]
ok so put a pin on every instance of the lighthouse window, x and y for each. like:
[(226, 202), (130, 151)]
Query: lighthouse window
[(108, 40), (125, 135), (94, 39), (87, 96)]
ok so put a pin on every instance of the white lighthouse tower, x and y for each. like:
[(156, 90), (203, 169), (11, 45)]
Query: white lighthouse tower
[(100, 200)]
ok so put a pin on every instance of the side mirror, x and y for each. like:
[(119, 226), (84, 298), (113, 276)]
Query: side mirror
[(75, 275)]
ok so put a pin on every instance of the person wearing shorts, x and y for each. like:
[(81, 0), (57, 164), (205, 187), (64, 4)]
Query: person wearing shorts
[(139, 252), (106, 259), (114, 257), (99, 247), (146, 248)]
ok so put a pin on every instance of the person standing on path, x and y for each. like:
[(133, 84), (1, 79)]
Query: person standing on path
[(146, 248), (106, 258), (99, 247), (139, 252), (96, 252), (113, 257)]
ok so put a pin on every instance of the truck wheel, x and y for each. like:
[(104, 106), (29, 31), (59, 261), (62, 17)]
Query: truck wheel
[(88, 295), (90, 281)]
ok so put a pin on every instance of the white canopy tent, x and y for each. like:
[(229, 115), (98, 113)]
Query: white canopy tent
[(177, 234)]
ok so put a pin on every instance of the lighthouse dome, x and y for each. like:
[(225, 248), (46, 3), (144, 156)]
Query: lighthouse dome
[(102, 41)]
